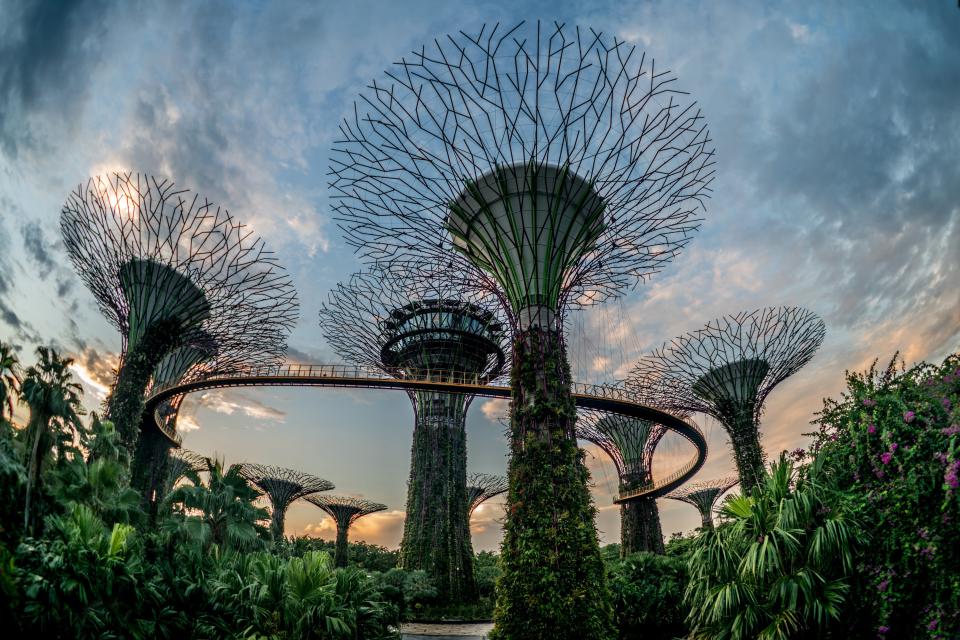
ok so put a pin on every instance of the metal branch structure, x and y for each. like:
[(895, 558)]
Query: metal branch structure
[(282, 486), (188, 286), (555, 167), (483, 486), (416, 325), (704, 495), (344, 511), (182, 464), (729, 367), (630, 443)]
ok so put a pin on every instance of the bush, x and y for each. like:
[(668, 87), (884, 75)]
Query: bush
[(892, 444), (363, 555), (647, 596)]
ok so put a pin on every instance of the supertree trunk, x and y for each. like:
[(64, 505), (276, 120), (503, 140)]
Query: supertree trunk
[(436, 533), (150, 464), (126, 401), (640, 527), (553, 584), (342, 551), (747, 452)]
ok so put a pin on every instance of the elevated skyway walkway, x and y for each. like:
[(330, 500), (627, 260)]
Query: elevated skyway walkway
[(604, 398)]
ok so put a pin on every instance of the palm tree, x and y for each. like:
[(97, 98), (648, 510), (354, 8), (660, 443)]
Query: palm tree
[(778, 567), (10, 380), (221, 512), (54, 401)]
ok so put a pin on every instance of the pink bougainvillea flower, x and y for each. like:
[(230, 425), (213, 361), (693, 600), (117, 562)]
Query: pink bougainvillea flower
[(869, 402), (872, 428), (952, 430), (908, 416), (885, 458)]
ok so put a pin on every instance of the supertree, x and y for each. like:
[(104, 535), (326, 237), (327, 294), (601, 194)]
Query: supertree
[(555, 167), (408, 325), (282, 486), (171, 270), (182, 464), (344, 511), (483, 486), (703, 495), (630, 443), (727, 369)]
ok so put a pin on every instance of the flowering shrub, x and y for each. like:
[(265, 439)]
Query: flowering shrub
[(892, 443)]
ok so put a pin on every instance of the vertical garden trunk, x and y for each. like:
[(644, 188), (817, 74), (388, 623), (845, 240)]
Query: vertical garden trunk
[(126, 401), (342, 550), (150, 465), (747, 452), (553, 584), (436, 532), (640, 527)]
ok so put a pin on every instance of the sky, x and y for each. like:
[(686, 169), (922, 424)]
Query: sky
[(837, 189)]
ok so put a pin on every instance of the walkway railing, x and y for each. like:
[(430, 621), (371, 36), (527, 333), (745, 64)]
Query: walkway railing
[(611, 399)]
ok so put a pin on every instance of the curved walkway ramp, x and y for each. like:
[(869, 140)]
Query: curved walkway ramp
[(597, 397)]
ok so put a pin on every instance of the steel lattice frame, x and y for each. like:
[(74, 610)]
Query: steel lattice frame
[(182, 463), (729, 367), (411, 324), (703, 495), (344, 511), (471, 105), (282, 486), (483, 486), (170, 270)]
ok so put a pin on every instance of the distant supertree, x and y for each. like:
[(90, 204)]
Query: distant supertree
[(483, 486), (704, 495), (170, 269), (344, 511), (630, 443), (182, 464), (728, 368), (409, 325), (282, 487), (555, 167)]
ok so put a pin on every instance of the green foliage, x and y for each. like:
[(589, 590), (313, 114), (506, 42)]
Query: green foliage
[(219, 513), (553, 583), (680, 546), (54, 401), (648, 596), (362, 555), (892, 444), (779, 566), (486, 568)]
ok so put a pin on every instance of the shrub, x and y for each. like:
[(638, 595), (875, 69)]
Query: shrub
[(647, 596), (892, 443)]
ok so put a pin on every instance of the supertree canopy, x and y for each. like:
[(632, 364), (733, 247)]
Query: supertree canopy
[(483, 486), (172, 270), (704, 495), (410, 325), (630, 443), (282, 487), (183, 463), (344, 511), (555, 167), (727, 369)]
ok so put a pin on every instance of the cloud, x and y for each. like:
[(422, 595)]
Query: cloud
[(36, 246), (230, 402), (96, 370), (495, 409), (48, 52)]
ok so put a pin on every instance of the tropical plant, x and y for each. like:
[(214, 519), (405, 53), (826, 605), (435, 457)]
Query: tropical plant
[(648, 596), (10, 381), (780, 565), (220, 512), (892, 444), (55, 409)]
